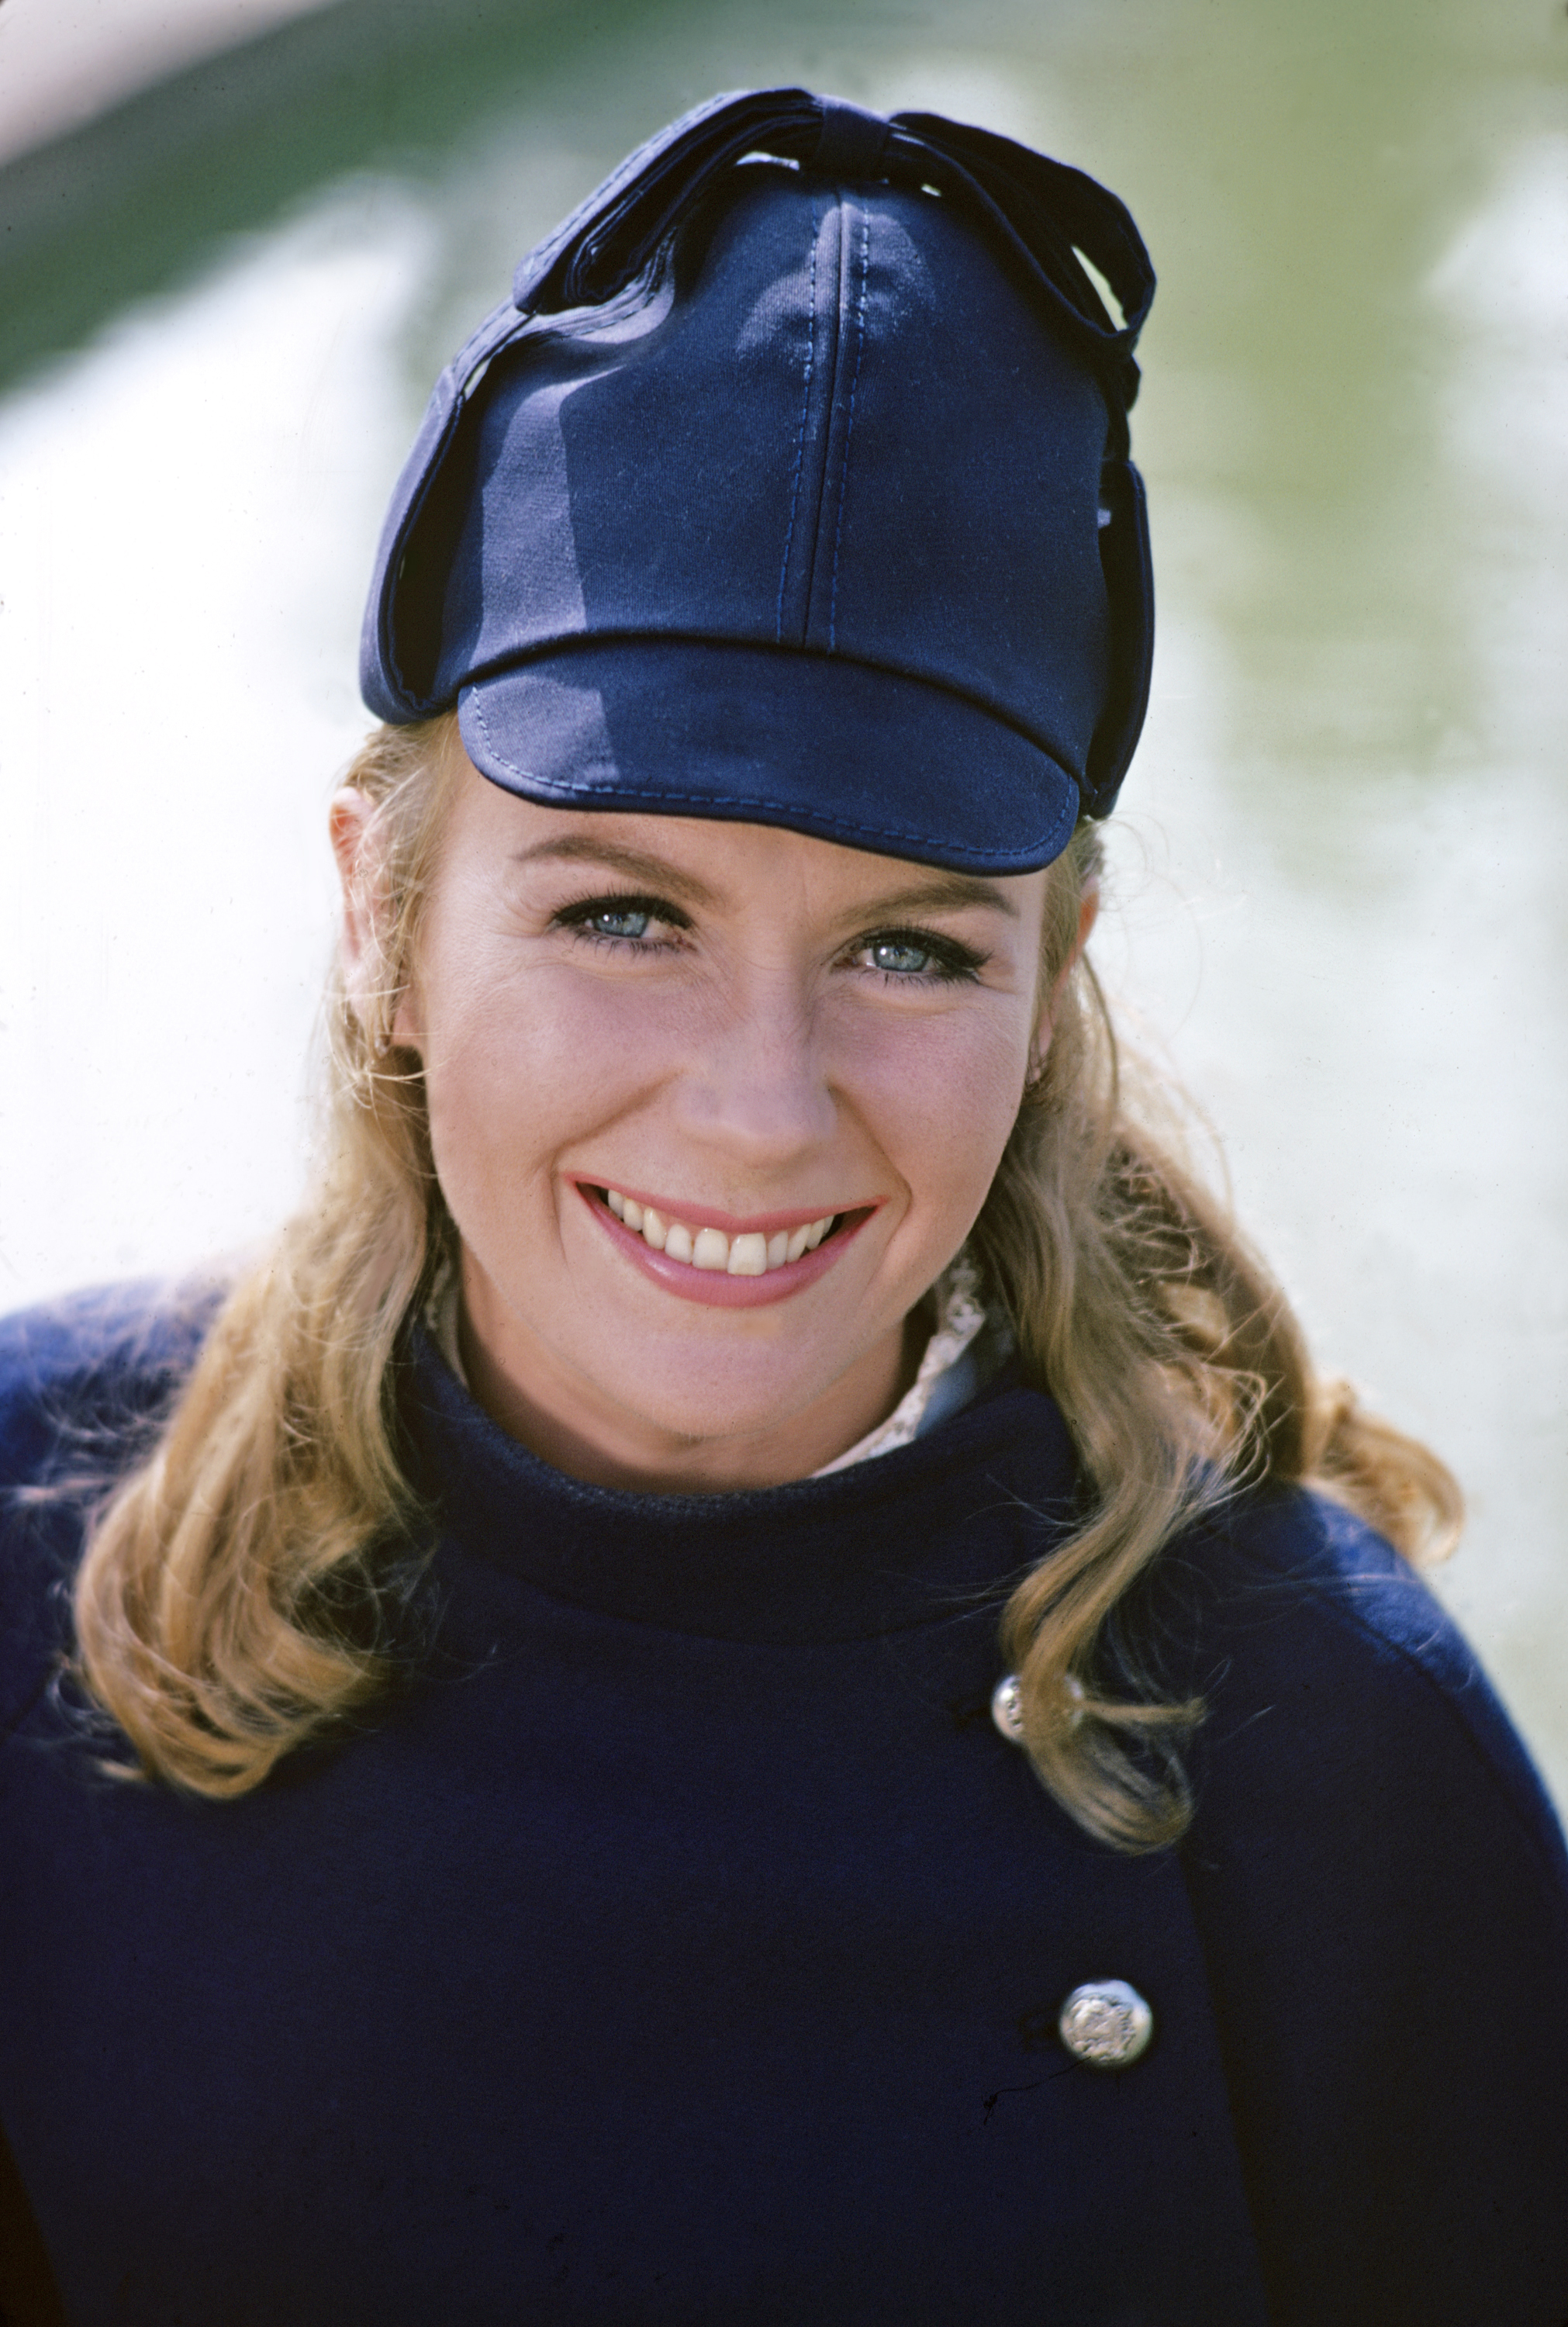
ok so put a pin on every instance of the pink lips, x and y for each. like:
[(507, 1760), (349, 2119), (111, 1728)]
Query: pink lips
[(719, 1291)]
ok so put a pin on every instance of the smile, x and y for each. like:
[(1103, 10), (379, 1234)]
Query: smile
[(745, 1265), (752, 1253)]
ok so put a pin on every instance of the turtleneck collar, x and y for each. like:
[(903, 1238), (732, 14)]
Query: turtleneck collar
[(924, 1533)]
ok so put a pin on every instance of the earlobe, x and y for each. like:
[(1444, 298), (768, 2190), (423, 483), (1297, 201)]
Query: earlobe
[(405, 1032)]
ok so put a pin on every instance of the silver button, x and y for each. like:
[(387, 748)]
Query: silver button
[(1107, 2024), (1007, 1705)]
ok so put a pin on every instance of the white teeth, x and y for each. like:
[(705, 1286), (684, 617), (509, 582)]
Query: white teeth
[(747, 1257), (752, 1254)]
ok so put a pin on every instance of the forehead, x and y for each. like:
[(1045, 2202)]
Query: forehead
[(705, 860)]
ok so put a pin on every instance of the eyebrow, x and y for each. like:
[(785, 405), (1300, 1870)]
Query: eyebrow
[(943, 891), (583, 848)]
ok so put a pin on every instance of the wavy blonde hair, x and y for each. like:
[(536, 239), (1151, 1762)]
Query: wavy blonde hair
[(242, 1588)]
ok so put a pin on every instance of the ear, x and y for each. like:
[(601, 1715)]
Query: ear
[(356, 845), (1088, 914)]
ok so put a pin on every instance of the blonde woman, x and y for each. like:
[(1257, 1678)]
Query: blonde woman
[(750, 1681)]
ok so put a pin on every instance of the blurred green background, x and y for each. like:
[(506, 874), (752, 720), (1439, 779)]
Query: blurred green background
[(223, 302)]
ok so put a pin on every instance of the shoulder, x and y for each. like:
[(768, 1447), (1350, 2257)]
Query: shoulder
[(85, 1381), (1381, 1892), (81, 1374), (1319, 1643)]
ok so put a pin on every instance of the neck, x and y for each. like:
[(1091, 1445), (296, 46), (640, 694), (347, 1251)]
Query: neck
[(620, 1449)]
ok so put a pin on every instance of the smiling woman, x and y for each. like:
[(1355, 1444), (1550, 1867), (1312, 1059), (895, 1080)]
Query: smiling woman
[(753, 1043), (760, 1589)]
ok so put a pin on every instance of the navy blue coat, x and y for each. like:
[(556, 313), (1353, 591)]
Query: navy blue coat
[(683, 1943)]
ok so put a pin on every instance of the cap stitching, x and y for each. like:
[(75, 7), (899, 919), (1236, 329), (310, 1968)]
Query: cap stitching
[(540, 654), (800, 441), (849, 421), (616, 797)]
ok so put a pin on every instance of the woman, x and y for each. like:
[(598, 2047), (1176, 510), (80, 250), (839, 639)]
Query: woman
[(745, 1711)]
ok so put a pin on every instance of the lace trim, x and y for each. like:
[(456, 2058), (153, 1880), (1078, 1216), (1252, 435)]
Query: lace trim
[(960, 1321), (963, 1352)]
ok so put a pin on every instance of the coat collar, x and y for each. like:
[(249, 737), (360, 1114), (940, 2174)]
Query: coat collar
[(929, 1530)]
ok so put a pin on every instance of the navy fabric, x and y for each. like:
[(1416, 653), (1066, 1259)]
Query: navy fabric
[(843, 429), (598, 728), (683, 1943), (1048, 217), (1382, 1898)]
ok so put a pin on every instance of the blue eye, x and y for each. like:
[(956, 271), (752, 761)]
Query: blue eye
[(917, 957), (637, 925), (618, 921), (897, 956)]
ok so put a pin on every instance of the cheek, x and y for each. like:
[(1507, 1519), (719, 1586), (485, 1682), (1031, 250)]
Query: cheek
[(942, 1100), (517, 1068)]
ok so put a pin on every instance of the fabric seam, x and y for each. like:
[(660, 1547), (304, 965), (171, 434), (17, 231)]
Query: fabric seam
[(616, 795), (849, 424), (800, 440)]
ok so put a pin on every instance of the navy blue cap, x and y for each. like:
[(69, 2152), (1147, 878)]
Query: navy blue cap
[(791, 486)]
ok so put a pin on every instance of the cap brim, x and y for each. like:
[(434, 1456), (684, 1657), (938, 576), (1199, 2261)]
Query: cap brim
[(757, 735)]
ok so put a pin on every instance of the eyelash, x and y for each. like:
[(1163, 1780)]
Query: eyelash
[(952, 963), (575, 919)]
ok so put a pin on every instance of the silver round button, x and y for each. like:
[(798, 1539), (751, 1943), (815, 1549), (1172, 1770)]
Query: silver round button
[(1105, 2024), (1007, 1708)]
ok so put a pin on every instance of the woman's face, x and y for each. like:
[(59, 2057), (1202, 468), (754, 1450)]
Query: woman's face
[(638, 1031)]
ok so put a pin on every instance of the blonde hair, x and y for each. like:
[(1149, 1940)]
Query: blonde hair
[(242, 1588)]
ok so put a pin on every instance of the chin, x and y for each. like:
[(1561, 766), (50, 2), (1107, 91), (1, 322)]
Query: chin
[(710, 1407)]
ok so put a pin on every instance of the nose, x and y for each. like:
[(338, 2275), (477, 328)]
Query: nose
[(756, 1084)]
